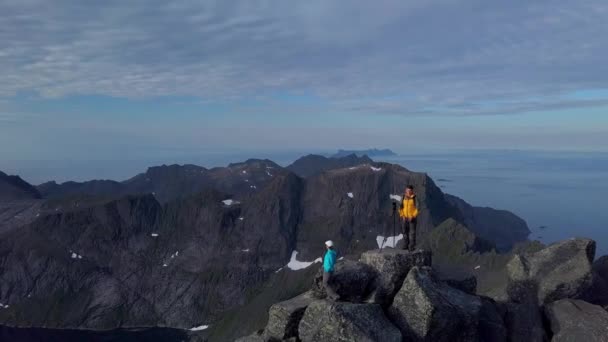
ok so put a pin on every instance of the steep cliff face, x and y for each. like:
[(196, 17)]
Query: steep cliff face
[(502, 227), (132, 262), (354, 206)]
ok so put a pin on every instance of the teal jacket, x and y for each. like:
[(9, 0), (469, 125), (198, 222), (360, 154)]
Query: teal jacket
[(329, 260)]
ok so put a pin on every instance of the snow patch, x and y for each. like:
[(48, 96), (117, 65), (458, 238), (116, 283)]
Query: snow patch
[(299, 265), (245, 250), (246, 180), (389, 241), (477, 267), (164, 265), (154, 235), (200, 328), (279, 270), (75, 255), (174, 255), (376, 169), (350, 194), (241, 218), (244, 172), (396, 198), (4, 306), (229, 202), (253, 186), (269, 174)]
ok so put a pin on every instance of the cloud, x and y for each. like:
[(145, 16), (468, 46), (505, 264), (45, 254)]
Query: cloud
[(408, 58)]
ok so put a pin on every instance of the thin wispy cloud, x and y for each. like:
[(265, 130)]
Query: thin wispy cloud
[(399, 57)]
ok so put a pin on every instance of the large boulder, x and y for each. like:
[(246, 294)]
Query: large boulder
[(491, 323), (352, 281), (284, 317), (598, 294), (427, 309), (576, 320), (392, 266), (562, 270), (523, 316), (331, 321)]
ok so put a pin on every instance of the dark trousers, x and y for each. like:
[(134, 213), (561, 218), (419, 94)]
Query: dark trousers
[(331, 294), (409, 234)]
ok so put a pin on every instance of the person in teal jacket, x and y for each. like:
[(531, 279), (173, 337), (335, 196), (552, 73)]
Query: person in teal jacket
[(329, 260)]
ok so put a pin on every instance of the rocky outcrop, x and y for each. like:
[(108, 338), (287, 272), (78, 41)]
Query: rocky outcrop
[(576, 320), (284, 317), (352, 281), (562, 270), (501, 227), (326, 321), (392, 266), (425, 309)]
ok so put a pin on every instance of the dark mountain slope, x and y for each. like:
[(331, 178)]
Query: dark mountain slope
[(500, 226), (14, 188)]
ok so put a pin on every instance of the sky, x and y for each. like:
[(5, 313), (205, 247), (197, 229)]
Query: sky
[(122, 80)]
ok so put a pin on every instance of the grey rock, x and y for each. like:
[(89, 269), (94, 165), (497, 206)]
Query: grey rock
[(491, 323), (352, 281), (392, 266), (576, 320), (284, 317), (598, 294), (467, 284), (255, 337), (523, 316), (426, 309), (562, 270), (330, 321)]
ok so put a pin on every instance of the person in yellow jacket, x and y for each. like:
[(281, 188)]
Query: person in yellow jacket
[(409, 214)]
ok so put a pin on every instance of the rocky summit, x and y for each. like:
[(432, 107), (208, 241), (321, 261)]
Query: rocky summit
[(401, 298)]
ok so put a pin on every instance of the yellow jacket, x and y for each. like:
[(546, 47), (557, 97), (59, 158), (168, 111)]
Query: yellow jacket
[(409, 207)]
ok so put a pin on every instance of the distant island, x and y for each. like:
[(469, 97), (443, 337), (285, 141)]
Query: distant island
[(360, 153)]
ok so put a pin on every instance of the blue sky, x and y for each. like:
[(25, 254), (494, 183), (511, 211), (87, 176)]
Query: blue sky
[(142, 79)]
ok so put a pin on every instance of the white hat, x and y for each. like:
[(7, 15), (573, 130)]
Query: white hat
[(329, 243)]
